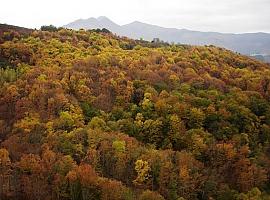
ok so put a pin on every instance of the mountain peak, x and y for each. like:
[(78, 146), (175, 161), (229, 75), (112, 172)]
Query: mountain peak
[(137, 22), (101, 18), (105, 20), (91, 18), (93, 23)]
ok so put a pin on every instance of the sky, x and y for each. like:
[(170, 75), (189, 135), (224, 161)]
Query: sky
[(227, 16)]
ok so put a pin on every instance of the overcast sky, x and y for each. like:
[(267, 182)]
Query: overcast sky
[(235, 16)]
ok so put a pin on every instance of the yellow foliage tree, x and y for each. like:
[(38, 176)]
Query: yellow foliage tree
[(143, 172)]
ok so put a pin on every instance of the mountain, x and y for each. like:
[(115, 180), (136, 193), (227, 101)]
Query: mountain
[(94, 23), (262, 57), (247, 43), (89, 115)]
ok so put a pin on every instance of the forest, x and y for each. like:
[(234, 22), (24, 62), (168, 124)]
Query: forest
[(88, 115)]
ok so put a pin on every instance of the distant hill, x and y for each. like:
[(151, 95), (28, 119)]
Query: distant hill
[(262, 57), (7, 27), (248, 43)]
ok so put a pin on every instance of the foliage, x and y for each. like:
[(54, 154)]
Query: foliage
[(90, 115)]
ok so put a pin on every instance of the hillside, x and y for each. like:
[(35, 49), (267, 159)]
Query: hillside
[(248, 43), (8, 31), (87, 115), (10, 28)]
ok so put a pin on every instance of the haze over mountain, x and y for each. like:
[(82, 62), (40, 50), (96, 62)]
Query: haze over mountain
[(247, 43)]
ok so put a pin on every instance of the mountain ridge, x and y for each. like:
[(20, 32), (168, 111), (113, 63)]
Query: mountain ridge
[(244, 43)]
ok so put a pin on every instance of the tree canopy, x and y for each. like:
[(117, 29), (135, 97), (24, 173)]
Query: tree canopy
[(90, 115)]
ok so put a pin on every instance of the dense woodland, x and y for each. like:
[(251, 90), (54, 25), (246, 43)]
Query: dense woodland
[(87, 115)]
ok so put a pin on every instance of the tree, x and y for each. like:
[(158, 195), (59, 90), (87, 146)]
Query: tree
[(168, 180), (32, 181), (196, 118), (143, 172), (5, 173), (177, 132), (190, 177), (112, 190), (119, 146), (83, 183), (97, 123), (150, 195), (49, 28), (152, 131)]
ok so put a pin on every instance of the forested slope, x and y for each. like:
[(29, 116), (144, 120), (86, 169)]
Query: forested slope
[(87, 115)]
